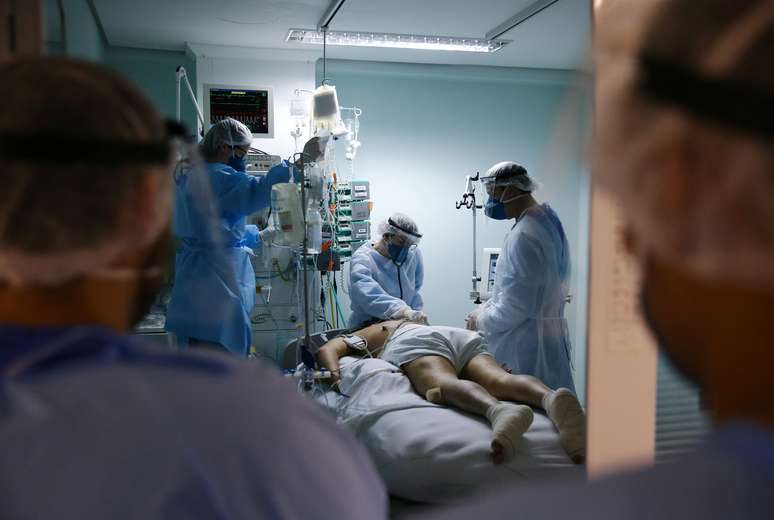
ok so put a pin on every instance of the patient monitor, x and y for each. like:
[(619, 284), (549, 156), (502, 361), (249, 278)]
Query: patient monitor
[(488, 266), (251, 105)]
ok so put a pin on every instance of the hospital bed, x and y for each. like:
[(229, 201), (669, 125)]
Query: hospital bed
[(428, 453)]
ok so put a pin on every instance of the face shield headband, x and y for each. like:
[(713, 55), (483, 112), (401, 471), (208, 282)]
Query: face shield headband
[(725, 101), (91, 151), (401, 228)]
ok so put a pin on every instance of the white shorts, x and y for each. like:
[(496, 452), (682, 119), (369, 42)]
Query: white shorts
[(411, 341)]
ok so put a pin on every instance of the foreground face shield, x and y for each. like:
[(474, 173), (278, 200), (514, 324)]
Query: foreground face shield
[(83, 246)]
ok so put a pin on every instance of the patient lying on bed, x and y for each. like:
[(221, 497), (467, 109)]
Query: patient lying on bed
[(451, 366)]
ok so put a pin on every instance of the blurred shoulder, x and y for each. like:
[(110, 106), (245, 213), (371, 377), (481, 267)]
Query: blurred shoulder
[(708, 484)]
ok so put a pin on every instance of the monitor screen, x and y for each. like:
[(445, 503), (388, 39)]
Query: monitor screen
[(251, 107)]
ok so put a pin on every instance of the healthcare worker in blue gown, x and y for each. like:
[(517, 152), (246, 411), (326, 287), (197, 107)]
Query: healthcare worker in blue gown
[(214, 288), (387, 275), (524, 320)]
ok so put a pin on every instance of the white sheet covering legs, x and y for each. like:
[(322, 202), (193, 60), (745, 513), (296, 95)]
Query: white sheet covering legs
[(432, 453)]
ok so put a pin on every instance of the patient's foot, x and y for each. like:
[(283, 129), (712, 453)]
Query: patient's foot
[(509, 422), (567, 414)]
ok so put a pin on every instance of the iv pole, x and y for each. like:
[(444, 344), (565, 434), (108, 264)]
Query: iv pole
[(469, 201), (307, 375), (307, 357)]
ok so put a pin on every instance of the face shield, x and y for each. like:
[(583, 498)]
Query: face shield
[(503, 188), (506, 174), (401, 231), (78, 247), (400, 235)]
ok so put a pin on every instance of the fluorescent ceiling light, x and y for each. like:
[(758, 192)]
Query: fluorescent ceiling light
[(395, 41)]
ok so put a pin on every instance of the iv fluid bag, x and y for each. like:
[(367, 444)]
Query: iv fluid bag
[(314, 231), (287, 215), (299, 108), (326, 113), (315, 174)]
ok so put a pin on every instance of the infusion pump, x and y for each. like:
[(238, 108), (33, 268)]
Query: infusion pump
[(488, 266), (259, 164)]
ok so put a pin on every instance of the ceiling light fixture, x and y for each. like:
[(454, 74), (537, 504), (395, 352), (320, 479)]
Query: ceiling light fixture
[(394, 41)]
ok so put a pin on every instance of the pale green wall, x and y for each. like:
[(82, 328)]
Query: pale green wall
[(154, 72), (84, 38)]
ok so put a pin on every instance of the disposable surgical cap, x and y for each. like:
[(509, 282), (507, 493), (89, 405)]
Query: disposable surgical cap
[(691, 81), (229, 132), (508, 173), (401, 225)]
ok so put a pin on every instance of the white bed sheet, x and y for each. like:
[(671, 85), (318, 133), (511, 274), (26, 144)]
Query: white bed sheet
[(431, 453)]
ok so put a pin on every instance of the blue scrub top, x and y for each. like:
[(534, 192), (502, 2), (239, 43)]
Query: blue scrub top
[(95, 424), (214, 289), (379, 288)]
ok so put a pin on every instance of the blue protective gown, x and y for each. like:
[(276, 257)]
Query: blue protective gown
[(96, 424), (379, 287), (214, 290), (524, 320)]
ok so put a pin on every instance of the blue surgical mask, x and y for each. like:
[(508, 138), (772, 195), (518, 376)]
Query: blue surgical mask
[(495, 208), (397, 253), (238, 163)]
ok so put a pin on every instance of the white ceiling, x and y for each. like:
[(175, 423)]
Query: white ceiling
[(555, 38)]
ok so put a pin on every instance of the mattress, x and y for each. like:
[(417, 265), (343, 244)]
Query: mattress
[(431, 453)]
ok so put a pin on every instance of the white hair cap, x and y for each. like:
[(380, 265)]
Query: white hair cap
[(509, 173), (229, 132), (401, 225)]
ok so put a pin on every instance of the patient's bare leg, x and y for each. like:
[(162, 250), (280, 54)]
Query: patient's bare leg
[(483, 369), (561, 406), (434, 378)]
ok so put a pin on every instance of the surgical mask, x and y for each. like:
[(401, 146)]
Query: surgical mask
[(398, 253), (238, 163), (495, 208)]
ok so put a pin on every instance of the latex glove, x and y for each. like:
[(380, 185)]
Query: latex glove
[(416, 317), (407, 313), (471, 320), (267, 235)]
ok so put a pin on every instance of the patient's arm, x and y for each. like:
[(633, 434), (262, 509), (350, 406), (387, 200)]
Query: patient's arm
[(375, 336), (330, 353)]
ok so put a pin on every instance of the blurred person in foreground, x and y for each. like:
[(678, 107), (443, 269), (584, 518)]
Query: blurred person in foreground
[(685, 140), (95, 423)]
